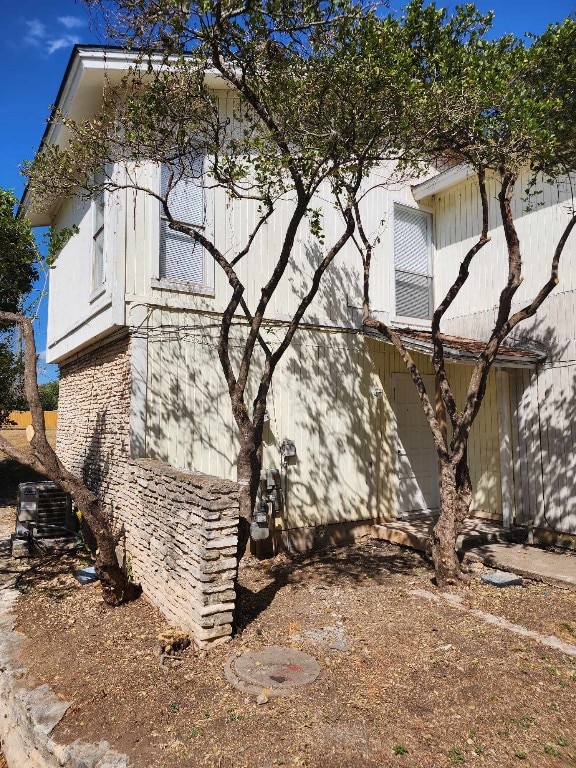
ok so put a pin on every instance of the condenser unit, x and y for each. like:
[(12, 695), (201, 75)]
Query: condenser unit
[(44, 511)]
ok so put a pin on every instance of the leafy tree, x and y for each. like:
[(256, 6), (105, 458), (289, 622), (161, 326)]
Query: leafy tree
[(18, 255), (500, 107), (18, 260), (7, 378), (49, 395), (289, 64)]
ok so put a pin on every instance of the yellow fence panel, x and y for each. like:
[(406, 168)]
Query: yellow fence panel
[(24, 419)]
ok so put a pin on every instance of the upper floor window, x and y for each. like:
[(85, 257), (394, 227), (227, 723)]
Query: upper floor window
[(181, 257), (98, 235), (413, 262)]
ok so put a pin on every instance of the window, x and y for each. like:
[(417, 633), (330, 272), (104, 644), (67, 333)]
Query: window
[(412, 263), (181, 258), (98, 231)]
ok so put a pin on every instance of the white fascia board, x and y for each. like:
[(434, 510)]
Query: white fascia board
[(442, 181)]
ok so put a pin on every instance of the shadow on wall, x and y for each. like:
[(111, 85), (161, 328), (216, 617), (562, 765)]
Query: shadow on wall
[(544, 418), (321, 399), (188, 420), (96, 466)]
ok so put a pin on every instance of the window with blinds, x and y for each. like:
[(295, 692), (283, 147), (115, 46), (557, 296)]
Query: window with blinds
[(181, 258), (98, 213), (412, 263)]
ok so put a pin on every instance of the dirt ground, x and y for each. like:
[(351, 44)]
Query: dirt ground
[(418, 684)]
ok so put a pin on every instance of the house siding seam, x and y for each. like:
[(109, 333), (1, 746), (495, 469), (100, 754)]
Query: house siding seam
[(180, 527)]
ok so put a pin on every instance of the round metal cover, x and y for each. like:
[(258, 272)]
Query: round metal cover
[(275, 671)]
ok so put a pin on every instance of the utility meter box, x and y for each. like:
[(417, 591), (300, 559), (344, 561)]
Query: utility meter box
[(44, 511)]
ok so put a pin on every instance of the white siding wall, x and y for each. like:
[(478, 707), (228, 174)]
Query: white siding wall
[(133, 249), (457, 223), (542, 403), (230, 224), (484, 445), (77, 314), (321, 399)]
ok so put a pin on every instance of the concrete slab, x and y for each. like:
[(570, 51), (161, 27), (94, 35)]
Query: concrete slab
[(556, 567), (416, 532), (502, 579), (488, 542)]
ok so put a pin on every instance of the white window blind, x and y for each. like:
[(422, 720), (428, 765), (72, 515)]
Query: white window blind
[(181, 257), (412, 278)]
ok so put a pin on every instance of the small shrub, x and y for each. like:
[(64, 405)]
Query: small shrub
[(455, 756), (550, 749)]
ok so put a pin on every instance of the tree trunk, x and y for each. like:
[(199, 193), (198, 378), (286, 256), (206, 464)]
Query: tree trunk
[(455, 499), (249, 464), (115, 584), (116, 587)]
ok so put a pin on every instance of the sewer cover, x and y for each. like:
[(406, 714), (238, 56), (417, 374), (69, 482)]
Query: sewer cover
[(275, 671)]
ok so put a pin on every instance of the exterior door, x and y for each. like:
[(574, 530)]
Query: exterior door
[(416, 458)]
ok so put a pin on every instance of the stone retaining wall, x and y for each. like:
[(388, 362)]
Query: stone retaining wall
[(180, 527), (181, 542)]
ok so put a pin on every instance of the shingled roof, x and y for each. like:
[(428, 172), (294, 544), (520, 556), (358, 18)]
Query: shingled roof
[(461, 349)]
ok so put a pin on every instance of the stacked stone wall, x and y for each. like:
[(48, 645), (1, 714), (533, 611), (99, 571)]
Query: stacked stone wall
[(180, 527)]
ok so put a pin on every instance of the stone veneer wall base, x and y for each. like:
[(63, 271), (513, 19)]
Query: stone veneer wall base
[(180, 528)]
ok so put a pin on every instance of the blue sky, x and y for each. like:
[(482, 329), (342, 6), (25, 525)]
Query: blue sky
[(36, 41)]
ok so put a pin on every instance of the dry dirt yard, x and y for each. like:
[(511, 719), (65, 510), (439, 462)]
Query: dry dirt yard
[(418, 684)]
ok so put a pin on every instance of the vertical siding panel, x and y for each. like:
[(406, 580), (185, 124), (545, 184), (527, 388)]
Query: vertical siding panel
[(516, 380), (537, 418)]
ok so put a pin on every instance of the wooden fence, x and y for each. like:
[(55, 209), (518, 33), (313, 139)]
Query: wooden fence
[(23, 419)]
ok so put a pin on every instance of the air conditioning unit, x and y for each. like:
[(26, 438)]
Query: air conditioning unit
[(44, 511)]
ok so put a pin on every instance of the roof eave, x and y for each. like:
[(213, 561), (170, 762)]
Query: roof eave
[(82, 59), (528, 360), (442, 181)]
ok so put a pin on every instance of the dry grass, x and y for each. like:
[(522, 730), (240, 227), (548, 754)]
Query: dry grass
[(419, 685)]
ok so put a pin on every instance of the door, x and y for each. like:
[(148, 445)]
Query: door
[(416, 458)]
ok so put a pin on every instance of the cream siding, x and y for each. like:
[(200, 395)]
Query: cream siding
[(484, 445), (76, 313), (457, 224), (322, 398), (542, 402), (230, 224)]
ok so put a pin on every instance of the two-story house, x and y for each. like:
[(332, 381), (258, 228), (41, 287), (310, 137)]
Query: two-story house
[(133, 324)]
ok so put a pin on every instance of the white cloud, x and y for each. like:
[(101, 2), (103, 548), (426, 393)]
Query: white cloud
[(71, 22), (36, 32), (66, 41), (39, 36)]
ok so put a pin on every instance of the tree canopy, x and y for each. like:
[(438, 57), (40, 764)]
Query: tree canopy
[(49, 395), (18, 255), (18, 270)]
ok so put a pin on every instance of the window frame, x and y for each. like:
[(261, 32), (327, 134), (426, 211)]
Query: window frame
[(181, 285), (429, 275), (99, 240)]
